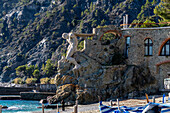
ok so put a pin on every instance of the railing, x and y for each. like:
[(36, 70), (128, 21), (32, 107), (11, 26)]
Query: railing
[(38, 87)]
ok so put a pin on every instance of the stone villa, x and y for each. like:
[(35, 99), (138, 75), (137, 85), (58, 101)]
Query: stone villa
[(150, 46)]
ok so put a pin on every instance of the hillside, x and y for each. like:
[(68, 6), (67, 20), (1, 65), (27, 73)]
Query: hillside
[(30, 30)]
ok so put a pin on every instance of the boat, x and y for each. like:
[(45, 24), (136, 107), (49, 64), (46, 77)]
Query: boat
[(150, 107)]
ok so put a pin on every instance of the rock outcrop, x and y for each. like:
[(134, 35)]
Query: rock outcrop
[(93, 79)]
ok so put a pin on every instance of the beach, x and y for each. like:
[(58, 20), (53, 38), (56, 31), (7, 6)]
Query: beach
[(94, 108)]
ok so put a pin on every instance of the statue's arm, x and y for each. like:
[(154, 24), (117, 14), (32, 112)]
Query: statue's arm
[(65, 35)]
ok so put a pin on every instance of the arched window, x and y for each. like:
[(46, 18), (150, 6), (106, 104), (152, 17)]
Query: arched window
[(127, 46), (148, 47), (165, 51)]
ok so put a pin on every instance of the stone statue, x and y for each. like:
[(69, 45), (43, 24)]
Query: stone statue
[(72, 48)]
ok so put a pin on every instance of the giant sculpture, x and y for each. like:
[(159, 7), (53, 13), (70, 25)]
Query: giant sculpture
[(72, 48)]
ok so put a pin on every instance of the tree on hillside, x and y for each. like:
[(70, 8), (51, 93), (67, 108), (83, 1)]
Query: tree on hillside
[(163, 10), (29, 70), (49, 68), (21, 71), (36, 73)]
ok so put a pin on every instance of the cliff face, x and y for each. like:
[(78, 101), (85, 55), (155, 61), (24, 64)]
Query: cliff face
[(30, 30)]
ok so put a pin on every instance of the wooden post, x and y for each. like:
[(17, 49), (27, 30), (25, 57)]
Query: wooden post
[(118, 104), (77, 105), (153, 99), (0, 108), (111, 103), (57, 109), (75, 109), (63, 105), (99, 98), (42, 108), (147, 98)]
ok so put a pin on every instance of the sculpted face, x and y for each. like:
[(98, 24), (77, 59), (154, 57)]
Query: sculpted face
[(65, 35)]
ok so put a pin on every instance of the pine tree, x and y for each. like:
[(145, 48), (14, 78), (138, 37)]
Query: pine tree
[(49, 68), (163, 10)]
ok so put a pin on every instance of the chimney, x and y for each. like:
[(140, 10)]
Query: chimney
[(126, 20)]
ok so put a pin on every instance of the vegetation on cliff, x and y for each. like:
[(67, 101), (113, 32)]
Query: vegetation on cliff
[(30, 30)]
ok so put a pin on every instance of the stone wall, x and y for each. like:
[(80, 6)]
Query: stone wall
[(35, 96), (13, 90), (136, 50), (47, 88), (101, 51)]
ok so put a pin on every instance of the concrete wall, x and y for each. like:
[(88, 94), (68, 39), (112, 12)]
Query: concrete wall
[(136, 50)]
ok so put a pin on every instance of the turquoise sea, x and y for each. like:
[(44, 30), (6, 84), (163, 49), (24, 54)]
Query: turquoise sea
[(20, 106)]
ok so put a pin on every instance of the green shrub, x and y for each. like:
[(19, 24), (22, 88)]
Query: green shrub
[(108, 36), (82, 13), (26, 70), (103, 22), (62, 10), (75, 5), (86, 12), (36, 73), (37, 14), (45, 80), (31, 80), (81, 45), (52, 81), (6, 68), (17, 81), (20, 69), (96, 13), (49, 68), (94, 23), (1, 25), (90, 38), (149, 25)]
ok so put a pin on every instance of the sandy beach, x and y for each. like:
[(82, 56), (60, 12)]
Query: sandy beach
[(93, 108)]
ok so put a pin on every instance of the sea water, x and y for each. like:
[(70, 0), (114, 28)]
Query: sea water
[(20, 106)]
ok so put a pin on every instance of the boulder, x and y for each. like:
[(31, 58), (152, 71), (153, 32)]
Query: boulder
[(62, 93), (65, 79)]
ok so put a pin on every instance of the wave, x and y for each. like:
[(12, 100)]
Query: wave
[(13, 108)]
